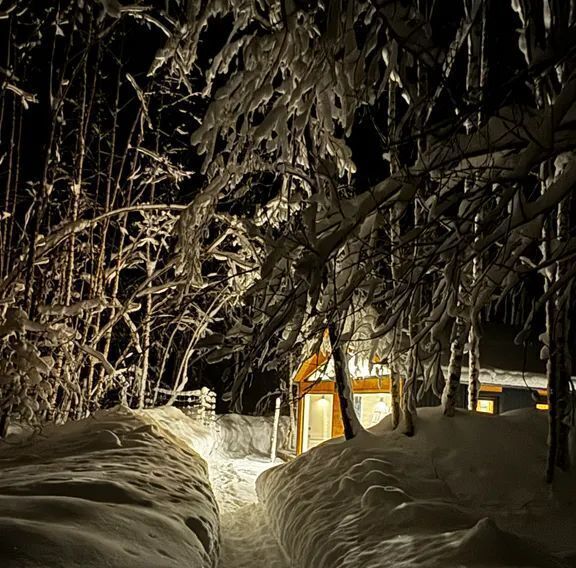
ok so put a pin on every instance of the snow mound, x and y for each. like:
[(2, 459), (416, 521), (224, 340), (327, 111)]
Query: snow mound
[(240, 435), (117, 490), (466, 491)]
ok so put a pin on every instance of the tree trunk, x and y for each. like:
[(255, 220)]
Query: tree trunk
[(475, 81), (275, 426), (394, 260), (5, 413), (408, 398), (562, 330), (409, 391), (454, 368), (552, 378), (146, 335), (395, 394), (563, 378), (473, 366), (291, 407), (352, 426), (4, 424), (548, 233)]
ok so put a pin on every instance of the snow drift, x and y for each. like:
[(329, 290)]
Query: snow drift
[(466, 491), (240, 435), (116, 490)]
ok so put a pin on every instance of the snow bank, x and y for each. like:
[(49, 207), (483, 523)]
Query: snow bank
[(239, 435), (118, 490), (466, 491)]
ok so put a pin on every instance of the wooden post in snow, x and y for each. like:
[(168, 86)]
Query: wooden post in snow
[(275, 429)]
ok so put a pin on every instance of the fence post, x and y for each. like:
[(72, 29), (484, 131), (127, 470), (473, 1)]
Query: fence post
[(275, 429)]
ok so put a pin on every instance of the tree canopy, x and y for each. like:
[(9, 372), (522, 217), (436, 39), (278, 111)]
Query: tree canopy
[(228, 179)]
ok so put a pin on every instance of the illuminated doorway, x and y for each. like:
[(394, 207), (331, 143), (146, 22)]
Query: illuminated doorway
[(317, 424)]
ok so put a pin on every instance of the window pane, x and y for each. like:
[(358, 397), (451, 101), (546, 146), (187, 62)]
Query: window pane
[(371, 408), (485, 405)]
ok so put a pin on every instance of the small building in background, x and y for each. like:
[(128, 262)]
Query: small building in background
[(319, 416), (318, 407)]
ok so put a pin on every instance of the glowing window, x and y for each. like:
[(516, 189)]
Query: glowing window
[(372, 407), (542, 406), (486, 405)]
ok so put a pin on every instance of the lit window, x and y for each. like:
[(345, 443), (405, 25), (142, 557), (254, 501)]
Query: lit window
[(371, 408), (486, 405), (542, 406)]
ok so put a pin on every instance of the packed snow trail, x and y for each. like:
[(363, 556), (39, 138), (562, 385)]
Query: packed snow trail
[(246, 537), (235, 450)]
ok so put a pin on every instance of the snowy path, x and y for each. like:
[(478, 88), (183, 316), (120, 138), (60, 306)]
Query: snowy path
[(247, 541)]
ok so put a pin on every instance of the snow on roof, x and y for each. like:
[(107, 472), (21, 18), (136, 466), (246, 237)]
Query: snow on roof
[(502, 377)]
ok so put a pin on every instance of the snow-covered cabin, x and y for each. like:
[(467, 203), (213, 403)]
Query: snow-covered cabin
[(509, 380), (319, 416)]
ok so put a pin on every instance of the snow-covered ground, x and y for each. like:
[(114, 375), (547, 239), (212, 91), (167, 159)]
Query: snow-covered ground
[(116, 490), (155, 488), (463, 492), (247, 538), (128, 489)]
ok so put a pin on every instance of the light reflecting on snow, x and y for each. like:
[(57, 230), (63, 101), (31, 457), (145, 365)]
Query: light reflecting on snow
[(236, 452)]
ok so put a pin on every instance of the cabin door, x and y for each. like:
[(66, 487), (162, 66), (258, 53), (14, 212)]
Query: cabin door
[(317, 420)]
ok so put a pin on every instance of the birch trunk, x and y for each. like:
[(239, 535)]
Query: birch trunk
[(454, 368), (475, 81), (473, 365)]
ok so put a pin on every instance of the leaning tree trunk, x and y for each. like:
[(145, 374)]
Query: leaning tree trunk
[(352, 426)]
